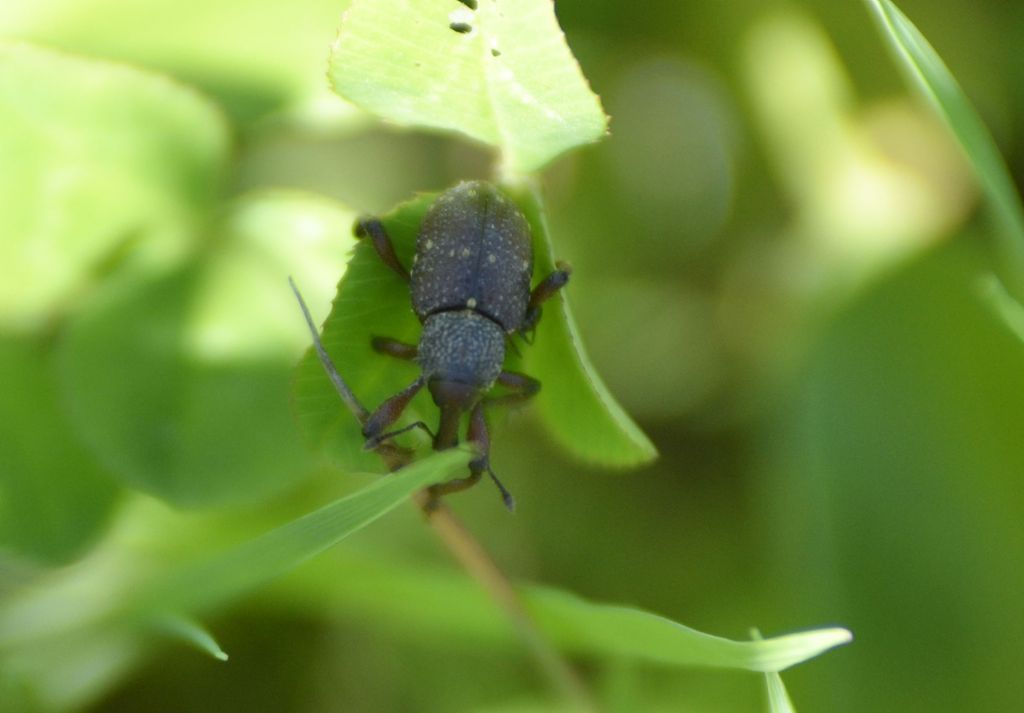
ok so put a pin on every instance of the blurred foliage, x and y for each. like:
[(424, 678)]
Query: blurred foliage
[(778, 272)]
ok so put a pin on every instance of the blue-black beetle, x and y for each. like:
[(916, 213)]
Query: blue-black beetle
[(470, 287)]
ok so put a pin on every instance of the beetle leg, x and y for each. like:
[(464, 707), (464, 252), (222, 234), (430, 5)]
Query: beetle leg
[(452, 486), (372, 228), (544, 291), (393, 348), (523, 388), (389, 412), (477, 433)]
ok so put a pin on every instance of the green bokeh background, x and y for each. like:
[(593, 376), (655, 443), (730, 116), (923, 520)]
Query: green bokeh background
[(779, 271)]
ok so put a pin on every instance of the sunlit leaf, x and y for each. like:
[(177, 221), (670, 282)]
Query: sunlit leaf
[(926, 69), (501, 73), (99, 160), (197, 409), (373, 301)]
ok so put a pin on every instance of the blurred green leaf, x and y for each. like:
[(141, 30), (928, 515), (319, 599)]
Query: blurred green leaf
[(897, 464), (180, 383), (507, 79), (373, 301), (54, 498), (98, 159), (233, 50), (75, 634), (931, 76)]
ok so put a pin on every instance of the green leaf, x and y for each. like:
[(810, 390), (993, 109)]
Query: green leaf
[(510, 81), (99, 160), (373, 301), (931, 76), (577, 408), (197, 409), (54, 498)]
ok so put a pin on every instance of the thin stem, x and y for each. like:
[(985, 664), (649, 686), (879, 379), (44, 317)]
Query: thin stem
[(475, 559), (464, 547)]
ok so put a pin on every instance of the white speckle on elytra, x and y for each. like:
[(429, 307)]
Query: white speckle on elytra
[(492, 259), (526, 264), (471, 302), (430, 244), (465, 252), (451, 253)]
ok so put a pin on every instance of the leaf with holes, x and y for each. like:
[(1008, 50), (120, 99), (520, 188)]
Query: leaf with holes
[(500, 73)]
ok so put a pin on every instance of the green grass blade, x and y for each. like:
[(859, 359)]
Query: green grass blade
[(928, 72), (227, 576), (604, 629), (509, 81), (441, 607), (194, 634), (778, 698)]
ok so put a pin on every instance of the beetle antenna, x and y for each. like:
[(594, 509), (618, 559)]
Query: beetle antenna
[(372, 443), (357, 409), (506, 496)]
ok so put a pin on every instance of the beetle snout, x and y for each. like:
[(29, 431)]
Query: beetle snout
[(453, 394)]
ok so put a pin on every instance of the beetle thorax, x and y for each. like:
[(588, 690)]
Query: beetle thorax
[(462, 347)]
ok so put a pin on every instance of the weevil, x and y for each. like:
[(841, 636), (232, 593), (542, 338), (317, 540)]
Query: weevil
[(470, 286)]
